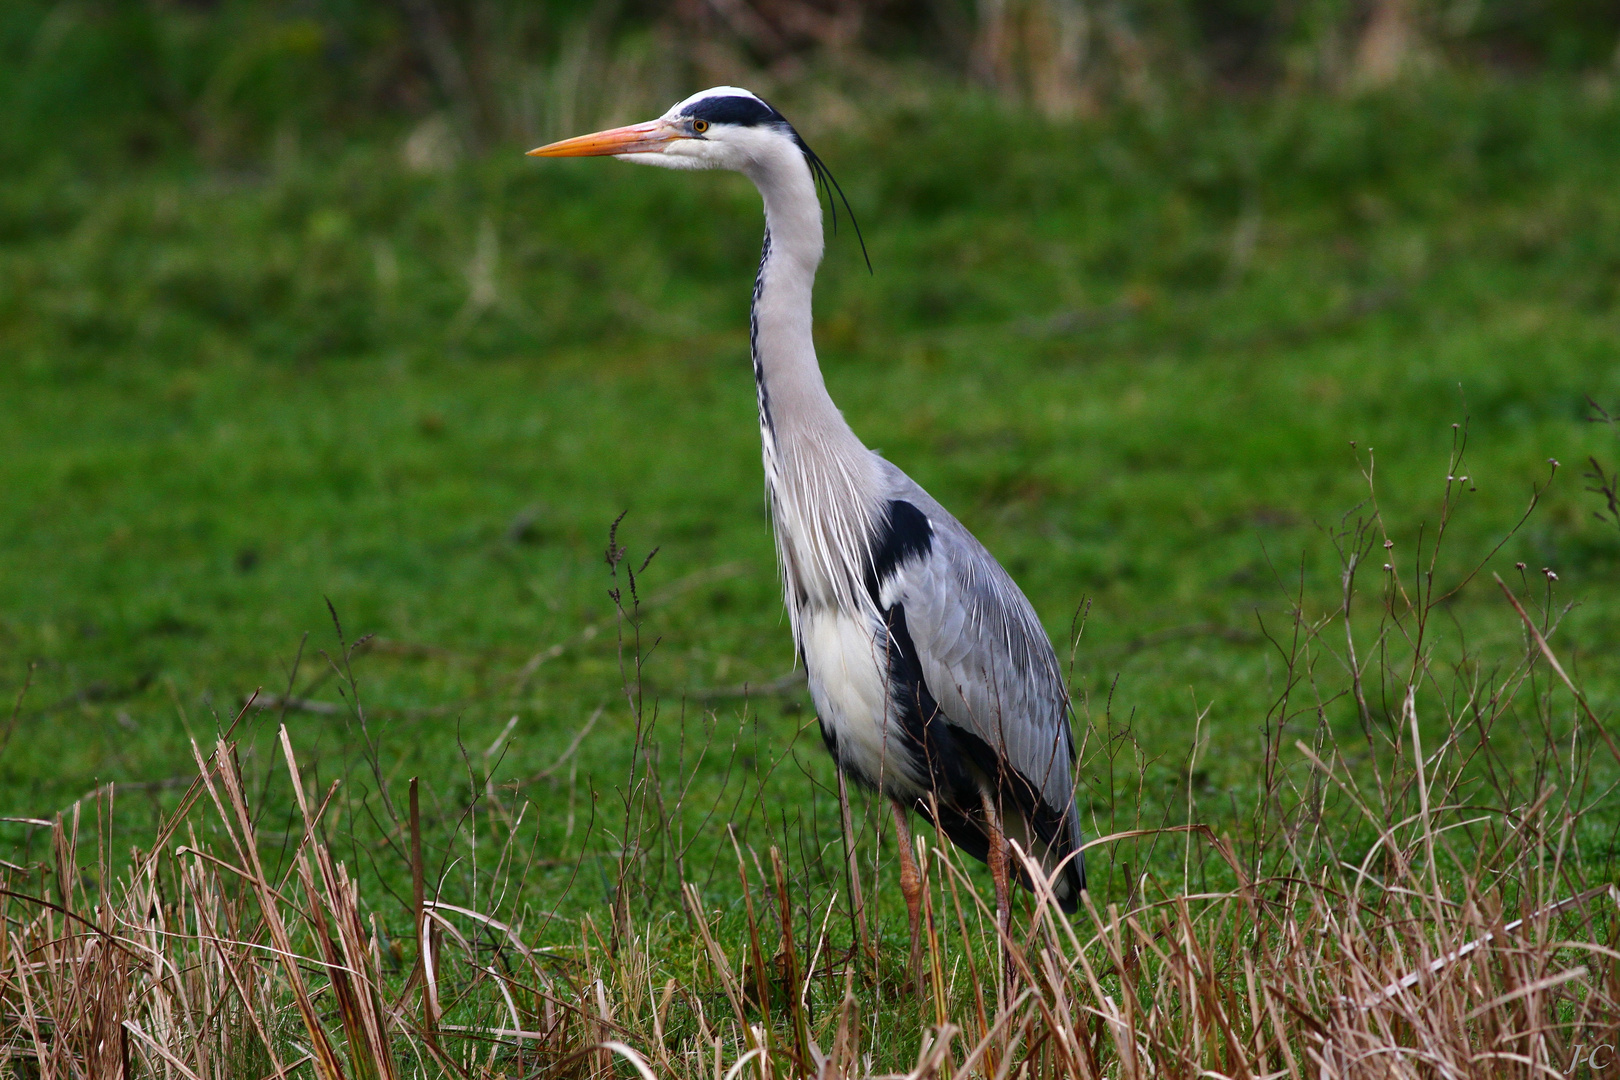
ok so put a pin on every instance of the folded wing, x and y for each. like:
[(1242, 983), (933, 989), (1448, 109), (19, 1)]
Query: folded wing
[(989, 667)]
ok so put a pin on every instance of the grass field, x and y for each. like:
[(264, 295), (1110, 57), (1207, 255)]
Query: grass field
[(1149, 359)]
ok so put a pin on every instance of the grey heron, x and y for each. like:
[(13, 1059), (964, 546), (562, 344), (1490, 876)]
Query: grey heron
[(934, 680)]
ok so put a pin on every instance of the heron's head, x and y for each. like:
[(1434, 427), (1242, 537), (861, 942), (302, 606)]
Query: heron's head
[(722, 128)]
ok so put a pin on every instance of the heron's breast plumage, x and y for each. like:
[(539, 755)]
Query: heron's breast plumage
[(829, 534), (849, 681)]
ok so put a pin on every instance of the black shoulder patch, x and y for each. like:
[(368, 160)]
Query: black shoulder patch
[(905, 534), (731, 109)]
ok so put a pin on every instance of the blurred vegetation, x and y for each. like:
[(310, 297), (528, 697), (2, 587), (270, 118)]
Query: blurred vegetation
[(112, 82)]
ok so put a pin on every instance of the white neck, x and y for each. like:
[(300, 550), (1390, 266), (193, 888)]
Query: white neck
[(824, 483), (784, 351)]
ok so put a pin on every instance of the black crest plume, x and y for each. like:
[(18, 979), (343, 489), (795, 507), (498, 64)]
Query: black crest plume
[(753, 111), (825, 181)]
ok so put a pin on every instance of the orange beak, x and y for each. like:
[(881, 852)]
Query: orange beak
[(649, 138)]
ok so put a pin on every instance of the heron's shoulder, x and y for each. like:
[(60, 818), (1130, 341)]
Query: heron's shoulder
[(928, 560), (896, 487), (958, 570), (910, 510), (912, 528)]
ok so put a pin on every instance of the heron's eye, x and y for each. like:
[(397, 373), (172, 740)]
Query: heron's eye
[(700, 126)]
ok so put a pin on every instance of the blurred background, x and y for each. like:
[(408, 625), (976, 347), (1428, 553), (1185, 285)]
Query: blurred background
[(1166, 296), (230, 83)]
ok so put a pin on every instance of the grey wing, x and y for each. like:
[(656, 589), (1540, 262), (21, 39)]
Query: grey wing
[(987, 661)]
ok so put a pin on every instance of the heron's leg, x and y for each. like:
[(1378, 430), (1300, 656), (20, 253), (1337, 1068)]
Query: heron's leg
[(857, 902), (1000, 860), (911, 886)]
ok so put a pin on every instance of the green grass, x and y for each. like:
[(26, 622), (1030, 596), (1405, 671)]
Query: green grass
[(1133, 355)]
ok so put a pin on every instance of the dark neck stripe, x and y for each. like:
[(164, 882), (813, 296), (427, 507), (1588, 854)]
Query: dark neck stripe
[(765, 420)]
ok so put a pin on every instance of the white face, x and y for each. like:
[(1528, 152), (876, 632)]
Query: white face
[(723, 146), (725, 127)]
